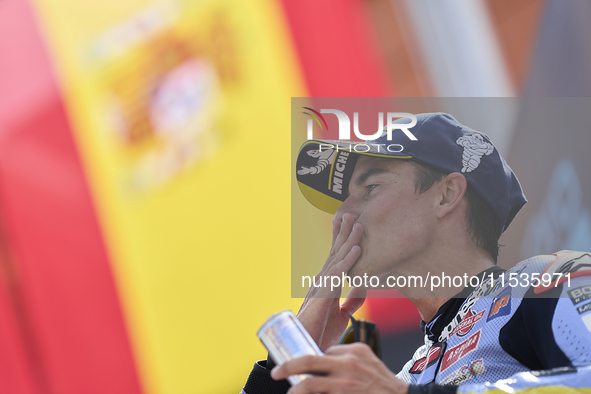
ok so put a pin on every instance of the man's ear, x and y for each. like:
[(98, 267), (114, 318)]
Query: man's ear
[(451, 192)]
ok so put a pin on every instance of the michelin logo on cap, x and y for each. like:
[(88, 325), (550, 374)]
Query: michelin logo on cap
[(326, 157), (475, 146)]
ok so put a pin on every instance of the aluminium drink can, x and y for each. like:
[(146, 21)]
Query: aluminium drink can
[(285, 338)]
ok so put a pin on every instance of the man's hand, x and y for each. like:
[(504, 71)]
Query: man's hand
[(345, 369), (322, 314)]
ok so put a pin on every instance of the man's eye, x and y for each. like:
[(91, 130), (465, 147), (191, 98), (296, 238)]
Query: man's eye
[(371, 187)]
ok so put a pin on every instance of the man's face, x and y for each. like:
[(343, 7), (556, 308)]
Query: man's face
[(397, 221)]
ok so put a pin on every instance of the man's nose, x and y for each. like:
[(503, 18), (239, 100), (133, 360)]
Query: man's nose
[(348, 206)]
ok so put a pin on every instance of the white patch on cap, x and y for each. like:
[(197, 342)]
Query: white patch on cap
[(325, 157), (475, 146)]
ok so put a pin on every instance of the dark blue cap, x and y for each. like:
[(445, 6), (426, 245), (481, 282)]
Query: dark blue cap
[(324, 167)]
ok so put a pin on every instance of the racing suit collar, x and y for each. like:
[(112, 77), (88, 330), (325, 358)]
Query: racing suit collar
[(448, 311)]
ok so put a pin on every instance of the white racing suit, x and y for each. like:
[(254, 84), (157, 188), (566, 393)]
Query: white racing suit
[(507, 326), (503, 336)]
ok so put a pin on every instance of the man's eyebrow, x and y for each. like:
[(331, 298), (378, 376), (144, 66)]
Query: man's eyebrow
[(372, 171)]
